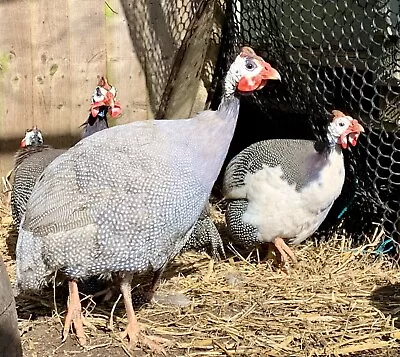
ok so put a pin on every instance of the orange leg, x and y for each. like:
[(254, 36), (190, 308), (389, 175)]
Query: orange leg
[(133, 330), (74, 314), (284, 251)]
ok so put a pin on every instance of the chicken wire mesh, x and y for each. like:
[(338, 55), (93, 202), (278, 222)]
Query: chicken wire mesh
[(160, 30), (332, 54)]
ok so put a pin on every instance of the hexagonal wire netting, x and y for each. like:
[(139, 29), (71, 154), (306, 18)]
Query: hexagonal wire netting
[(158, 28), (332, 54)]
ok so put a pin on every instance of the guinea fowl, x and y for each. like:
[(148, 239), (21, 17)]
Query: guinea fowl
[(103, 102), (283, 189), (30, 161), (126, 199), (33, 156)]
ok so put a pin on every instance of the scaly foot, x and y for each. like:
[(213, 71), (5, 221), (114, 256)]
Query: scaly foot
[(285, 252), (136, 337), (133, 330), (74, 315)]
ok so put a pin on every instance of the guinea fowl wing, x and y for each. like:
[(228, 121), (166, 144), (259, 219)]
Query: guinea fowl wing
[(27, 168), (297, 159)]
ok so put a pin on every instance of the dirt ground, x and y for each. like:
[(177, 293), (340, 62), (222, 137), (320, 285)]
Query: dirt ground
[(336, 301)]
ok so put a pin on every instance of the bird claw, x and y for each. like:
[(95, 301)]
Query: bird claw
[(136, 337), (74, 316), (78, 324), (286, 254)]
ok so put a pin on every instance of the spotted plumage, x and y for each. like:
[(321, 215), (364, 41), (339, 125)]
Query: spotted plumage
[(205, 236), (30, 161), (126, 199), (242, 233), (283, 189), (98, 195)]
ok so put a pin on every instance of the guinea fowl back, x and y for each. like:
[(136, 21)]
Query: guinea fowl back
[(29, 163), (297, 158)]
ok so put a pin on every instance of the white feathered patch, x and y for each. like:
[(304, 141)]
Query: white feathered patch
[(278, 210)]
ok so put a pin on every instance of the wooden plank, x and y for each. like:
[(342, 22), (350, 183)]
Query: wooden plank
[(87, 45), (51, 83), (124, 70), (182, 96), (15, 78)]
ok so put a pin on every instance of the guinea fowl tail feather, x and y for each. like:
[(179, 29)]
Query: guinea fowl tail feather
[(31, 271)]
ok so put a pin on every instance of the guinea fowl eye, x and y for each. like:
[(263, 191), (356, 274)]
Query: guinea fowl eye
[(98, 92), (341, 123), (250, 65)]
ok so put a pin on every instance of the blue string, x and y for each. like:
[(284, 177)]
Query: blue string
[(381, 249), (343, 211)]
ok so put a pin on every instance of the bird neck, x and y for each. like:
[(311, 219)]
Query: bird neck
[(332, 140), (27, 151), (94, 124), (231, 80), (334, 148), (229, 107)]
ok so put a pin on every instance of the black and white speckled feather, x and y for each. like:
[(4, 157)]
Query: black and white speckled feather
[(288, 187), (241, 233), (124, 199), (205, 236), (29, 164), (295, 157)]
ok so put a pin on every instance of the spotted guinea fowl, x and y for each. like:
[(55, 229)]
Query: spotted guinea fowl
[(33, 156), (30, 161), (126, 199), (283, 189), (103, 102)]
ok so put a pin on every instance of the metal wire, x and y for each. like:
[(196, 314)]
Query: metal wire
[(332, 55)]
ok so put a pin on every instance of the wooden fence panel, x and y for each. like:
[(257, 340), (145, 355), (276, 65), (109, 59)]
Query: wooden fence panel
[(51, 67), (16, 108), (51, 55), (88, 56), (123, 66)]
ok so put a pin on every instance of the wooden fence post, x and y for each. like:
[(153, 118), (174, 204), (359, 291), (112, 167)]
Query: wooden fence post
[(10, 342)]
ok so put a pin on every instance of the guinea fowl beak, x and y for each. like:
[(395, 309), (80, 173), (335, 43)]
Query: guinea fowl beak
[(272, 73), (356, 127), (351, 134), (268, 73)]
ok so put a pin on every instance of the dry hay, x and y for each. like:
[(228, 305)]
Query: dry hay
[(336, 301)]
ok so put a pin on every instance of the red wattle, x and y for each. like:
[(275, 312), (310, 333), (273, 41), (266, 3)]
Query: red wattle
[(249, 85)]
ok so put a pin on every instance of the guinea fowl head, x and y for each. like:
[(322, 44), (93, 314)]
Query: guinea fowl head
[(248, 73), (103, 102), (33, 137), (344, 129)]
